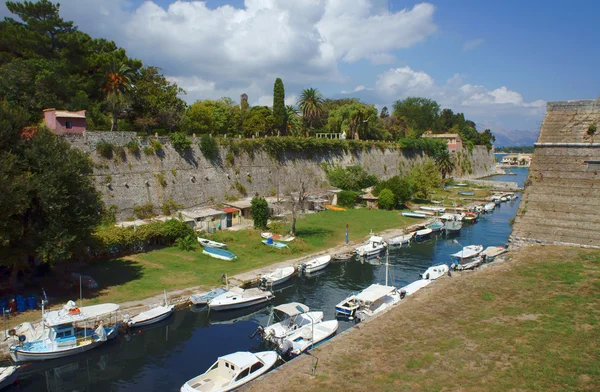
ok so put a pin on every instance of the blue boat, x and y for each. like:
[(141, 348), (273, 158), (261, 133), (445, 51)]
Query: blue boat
[(274, 244), (218, 253), (435, 226)]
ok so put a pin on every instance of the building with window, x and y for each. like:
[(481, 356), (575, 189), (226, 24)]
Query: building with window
[(62, 121), (454, 140)]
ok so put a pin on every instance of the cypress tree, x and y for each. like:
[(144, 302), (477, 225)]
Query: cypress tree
[(279, 105)]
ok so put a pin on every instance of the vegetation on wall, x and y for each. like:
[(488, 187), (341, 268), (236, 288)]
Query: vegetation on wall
[(351, 178)]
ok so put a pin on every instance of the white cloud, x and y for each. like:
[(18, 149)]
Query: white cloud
[(470, 45), (214, 50)]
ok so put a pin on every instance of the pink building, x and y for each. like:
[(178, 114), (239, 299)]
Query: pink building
[(454, 140), (62, 121)]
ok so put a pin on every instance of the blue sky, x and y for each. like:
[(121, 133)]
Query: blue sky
[(498, 62)]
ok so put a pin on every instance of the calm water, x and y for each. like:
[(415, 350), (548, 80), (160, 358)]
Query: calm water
[(163, 357)]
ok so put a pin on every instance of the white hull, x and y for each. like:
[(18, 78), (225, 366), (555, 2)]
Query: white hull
[(240, 299), (309, 336), (8, 376), (219, 256), (278, 276), (317, 264), (151, 316), (415, 286), (403, 239), (432, 273), (214, 244), (277, 332)]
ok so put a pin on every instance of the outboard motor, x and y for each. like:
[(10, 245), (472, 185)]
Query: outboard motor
[(402, 294)]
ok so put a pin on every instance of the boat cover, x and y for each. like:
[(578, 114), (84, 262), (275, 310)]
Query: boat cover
[(71, 314), (292, 309), (374, 292), (241, 359)]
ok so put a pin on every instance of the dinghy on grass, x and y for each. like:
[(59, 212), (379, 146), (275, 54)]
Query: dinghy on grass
[(232, 371), (274, 244), (218, 253), (212, 244), (415, 215)]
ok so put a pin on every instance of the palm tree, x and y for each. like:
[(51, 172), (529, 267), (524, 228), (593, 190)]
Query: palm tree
[(291, 120), (116, 87), (311, 105), (445, 163)]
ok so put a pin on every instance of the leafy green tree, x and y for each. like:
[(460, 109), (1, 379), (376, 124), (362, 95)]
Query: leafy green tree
[(351, 178), (212, 117), (311, 106), (356, 119), (420, 114), (292, 121), (209, 147), (279, 113), (179, 142), (487, 139), (260, 212), (384, 112), (347, 199), (425, 178), (259, 121), (401, 187), (387, 200)]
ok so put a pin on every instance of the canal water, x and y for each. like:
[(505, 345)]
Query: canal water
[(163, 357)]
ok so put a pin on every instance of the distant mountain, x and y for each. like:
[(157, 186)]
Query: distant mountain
[(515, 137)]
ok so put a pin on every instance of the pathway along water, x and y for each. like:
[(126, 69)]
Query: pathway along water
[(163, 357)]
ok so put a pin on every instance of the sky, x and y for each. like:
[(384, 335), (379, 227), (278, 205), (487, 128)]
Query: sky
[(497, 62)]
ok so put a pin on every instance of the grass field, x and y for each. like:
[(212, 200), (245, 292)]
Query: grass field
[(147, 274), (530, 324)]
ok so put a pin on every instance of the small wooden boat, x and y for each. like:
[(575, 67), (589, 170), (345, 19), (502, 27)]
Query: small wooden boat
[(435, 226), (237, 298), (8, 375), (232, 371), (151, 316), (316, 264), (270, 235), (434, 272), (342, 256), (205, 298), (400, 240), (212, 244), (452, 227), (422, 234), (278, 276), (415, 215), (274, 244), (491, 252), (218, 253)]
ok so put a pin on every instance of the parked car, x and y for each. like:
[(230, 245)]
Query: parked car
[(86, 281)]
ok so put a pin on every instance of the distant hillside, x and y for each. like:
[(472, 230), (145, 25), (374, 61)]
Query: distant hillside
[(515, 138)]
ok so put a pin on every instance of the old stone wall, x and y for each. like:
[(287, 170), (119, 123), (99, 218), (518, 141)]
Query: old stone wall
[(561, 202), (191, 180)]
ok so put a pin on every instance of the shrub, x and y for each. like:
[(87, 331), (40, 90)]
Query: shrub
[(148, 150), (387, 200), (170, 206), (120, 151), (351, 178), (144, 211), (160, 178), (592, 129), (105, 149), (347, 199), (179, 142), (156, 145), (187, 243), (133, 147), (230, 158), (260, 212), (241, 188), (401, 187), (209, 147)]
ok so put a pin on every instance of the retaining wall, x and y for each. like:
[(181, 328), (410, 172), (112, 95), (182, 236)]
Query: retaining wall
[(191, 180)]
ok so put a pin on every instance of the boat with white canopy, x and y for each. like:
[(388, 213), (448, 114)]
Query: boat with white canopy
[(68, 331), (232, 371), (286, 319), (373, 246)]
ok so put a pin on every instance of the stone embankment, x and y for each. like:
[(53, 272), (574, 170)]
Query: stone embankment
[(562, 192)]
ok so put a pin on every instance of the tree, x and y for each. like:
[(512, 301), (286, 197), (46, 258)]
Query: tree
[(260, 212), (279, 106), (351, 178), (297, 192), (187, 243), (292, 121), (259, 121), (401, 187), (387, 200), (117, 86), (347, 199), (424, 177), (384, 112), (356, 118), (420, 114), (445, 163), (311, 105)]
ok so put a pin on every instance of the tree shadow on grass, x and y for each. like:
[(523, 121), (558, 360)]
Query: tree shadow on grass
[(313, 231)]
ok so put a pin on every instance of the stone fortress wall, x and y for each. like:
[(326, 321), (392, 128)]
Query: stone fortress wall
[(561, 202), (191, 180)]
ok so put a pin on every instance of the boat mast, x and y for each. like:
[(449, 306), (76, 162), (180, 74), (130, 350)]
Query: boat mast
[(387, 265)]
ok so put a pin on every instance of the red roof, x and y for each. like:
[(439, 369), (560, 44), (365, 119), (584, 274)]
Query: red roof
[(230, 210)]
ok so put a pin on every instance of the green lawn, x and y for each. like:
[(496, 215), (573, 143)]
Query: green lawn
[(144, 275)]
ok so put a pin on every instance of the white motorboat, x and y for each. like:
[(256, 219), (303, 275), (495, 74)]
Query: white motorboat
[(468, 252), (278, 276), (308, 337), (68, 331), (466, 264), (286, 319), (8, 376), (151, 316), (316, 264), (422, 234), (237, 298), (374, 246), (212, 244), (489, 207), (434, 272), (205, 298), (432, 208), (415, 215), (400, 240), (232, 371)]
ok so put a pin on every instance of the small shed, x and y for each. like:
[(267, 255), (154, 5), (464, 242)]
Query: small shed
[(233, 216), (63, 121), (244, 206), (371, 200), (205, 218)]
